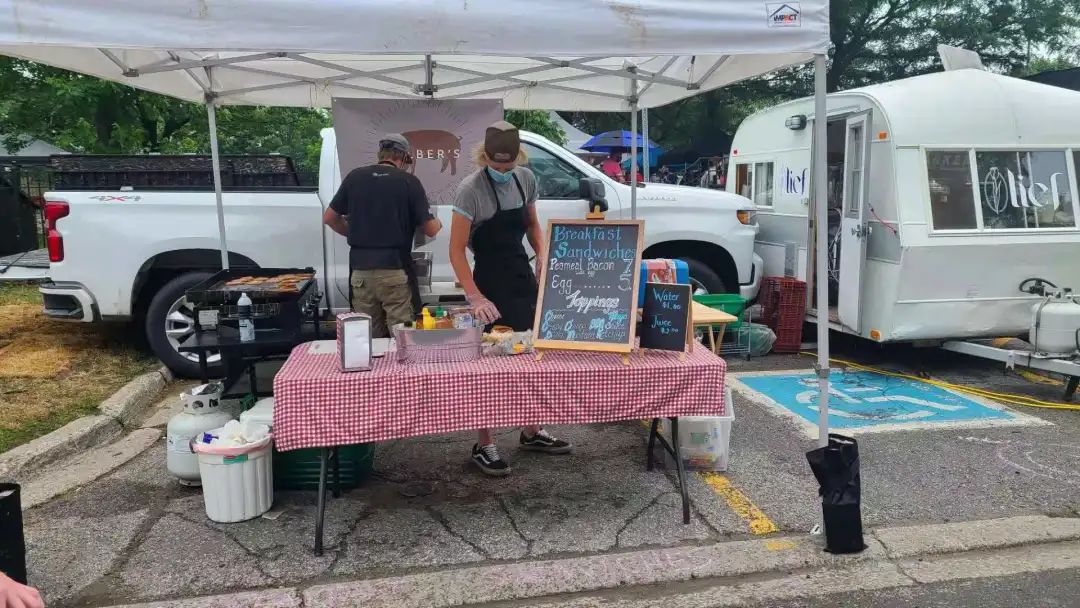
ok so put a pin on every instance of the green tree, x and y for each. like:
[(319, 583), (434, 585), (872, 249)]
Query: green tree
[(879, 40), (537, 121), (876, 41), (86, 114)]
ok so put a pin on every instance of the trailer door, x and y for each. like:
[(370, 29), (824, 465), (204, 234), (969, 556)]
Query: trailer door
[(854, 228)]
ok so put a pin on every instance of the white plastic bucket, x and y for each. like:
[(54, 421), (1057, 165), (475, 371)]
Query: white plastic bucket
[(238, 483), (704, 441)]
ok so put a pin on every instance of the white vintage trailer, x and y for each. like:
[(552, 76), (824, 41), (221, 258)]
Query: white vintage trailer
[(945, 192)]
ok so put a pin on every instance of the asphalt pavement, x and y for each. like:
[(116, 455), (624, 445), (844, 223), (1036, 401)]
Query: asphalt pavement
[(136, 535), (1057, 589)]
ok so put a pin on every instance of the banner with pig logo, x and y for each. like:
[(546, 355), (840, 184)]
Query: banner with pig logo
[(442, 134)]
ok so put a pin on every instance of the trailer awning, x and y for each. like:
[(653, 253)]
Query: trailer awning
[(555, 54)]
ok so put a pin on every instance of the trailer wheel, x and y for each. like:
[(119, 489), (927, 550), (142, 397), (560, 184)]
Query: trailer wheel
[(170, 322), (704, 279)]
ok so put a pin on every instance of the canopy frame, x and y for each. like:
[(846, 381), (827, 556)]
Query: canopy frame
[(229, 53)]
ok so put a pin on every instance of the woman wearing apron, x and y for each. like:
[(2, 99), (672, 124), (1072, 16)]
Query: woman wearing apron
[(494, 210)]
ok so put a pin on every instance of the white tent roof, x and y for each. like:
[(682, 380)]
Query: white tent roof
[(552, 54)]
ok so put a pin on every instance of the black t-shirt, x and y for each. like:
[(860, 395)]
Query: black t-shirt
[(384, 205)]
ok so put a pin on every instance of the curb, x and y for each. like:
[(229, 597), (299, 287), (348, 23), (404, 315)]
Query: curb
[(771, 563), (115, 413), (599, 573)]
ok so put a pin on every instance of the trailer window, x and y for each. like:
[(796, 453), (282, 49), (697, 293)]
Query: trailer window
[(763, 184), (1024, 189), (744, 180), (952, 202)]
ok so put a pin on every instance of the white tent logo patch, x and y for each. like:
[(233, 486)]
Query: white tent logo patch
[(785, 14)]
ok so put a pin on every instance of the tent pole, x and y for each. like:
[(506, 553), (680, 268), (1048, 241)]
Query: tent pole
[(633, 147), (821, 220), (215, 161), (647, 152)]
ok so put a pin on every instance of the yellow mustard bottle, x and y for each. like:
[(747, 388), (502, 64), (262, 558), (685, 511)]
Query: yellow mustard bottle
[(428, 320)]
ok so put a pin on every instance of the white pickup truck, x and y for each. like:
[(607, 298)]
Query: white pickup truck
[(131, 255)]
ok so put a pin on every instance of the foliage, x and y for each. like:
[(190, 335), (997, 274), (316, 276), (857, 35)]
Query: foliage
[(537, 121), (873, 41), (85, 114), (879, 40), (876, 41)]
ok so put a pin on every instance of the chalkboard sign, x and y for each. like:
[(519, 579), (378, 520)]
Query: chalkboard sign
[(665, 320), (588, 285)]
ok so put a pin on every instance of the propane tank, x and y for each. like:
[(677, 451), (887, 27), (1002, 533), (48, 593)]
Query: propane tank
[(1055, 324), (202, 412)]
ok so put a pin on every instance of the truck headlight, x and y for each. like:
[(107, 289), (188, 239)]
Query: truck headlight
[(746, 217)]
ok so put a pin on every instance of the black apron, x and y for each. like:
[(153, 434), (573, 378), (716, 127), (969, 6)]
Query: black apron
[(501, 266)]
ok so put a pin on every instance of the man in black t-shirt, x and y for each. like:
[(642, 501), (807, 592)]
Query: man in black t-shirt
[(379, 208)]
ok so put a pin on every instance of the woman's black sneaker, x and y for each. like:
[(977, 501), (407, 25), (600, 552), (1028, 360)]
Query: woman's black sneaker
[(487, 458), (543, 442)]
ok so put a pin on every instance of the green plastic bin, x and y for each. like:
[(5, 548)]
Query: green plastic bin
[(299, 469), (731, 303)]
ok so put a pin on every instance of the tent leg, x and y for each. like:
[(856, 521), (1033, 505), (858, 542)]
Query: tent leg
[(646, 169), (633, 147), (215, 159), (821, 220)]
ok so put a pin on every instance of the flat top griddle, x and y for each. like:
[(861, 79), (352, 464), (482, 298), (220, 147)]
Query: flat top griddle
[(216, 291)]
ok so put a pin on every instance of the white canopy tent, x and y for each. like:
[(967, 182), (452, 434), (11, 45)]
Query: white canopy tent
[(589, 55)]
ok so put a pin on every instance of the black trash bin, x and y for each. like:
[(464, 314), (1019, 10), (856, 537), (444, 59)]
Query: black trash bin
[(836, 467), (13, 547)]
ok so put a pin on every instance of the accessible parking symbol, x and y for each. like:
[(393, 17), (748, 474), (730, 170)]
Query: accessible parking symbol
[(868, 402)]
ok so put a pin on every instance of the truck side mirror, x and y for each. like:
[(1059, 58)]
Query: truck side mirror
[(592, 190)]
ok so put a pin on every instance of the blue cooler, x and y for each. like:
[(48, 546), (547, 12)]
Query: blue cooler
[(682, 275)]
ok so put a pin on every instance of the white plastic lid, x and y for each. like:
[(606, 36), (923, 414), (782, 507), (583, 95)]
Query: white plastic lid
[(260, 413)]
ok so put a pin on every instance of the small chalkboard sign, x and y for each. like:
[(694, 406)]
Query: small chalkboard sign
[(665, 320), (588, 286)]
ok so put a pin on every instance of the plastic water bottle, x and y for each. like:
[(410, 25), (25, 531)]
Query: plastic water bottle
[(247, 324)]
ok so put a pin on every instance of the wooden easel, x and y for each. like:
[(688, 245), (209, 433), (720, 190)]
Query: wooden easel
[(624, 350), (619, 349)]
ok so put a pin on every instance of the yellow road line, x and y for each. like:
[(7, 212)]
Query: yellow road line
[(740, 504)]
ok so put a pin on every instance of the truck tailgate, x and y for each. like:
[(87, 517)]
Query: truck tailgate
[(26, 266)]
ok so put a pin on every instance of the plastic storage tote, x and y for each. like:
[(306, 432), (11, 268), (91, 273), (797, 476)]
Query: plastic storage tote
[(704, 441), (237, 482), (299, 469), (731, 303)]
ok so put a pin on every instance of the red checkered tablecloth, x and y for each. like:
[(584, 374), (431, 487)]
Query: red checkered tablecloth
[(318, 406)]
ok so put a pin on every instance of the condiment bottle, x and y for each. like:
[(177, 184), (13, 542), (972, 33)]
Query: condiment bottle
[(443, 320), (429, 321), (243, 313)]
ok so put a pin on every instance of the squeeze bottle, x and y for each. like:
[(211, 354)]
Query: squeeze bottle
[(247, 324)]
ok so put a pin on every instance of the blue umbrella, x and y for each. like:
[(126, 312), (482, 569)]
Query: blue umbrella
[(615, 141)]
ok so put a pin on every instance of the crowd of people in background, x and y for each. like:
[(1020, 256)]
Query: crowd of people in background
[(704, 173)]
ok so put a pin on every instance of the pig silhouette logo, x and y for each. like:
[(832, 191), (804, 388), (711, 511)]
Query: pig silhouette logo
[(435, 144)]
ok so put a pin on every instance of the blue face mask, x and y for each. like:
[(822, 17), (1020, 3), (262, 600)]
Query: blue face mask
[(499, 176)]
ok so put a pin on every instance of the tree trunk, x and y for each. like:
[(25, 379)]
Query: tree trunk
[(104, 124)]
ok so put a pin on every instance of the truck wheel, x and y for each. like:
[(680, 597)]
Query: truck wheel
[(704, 279), (170, 322)]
